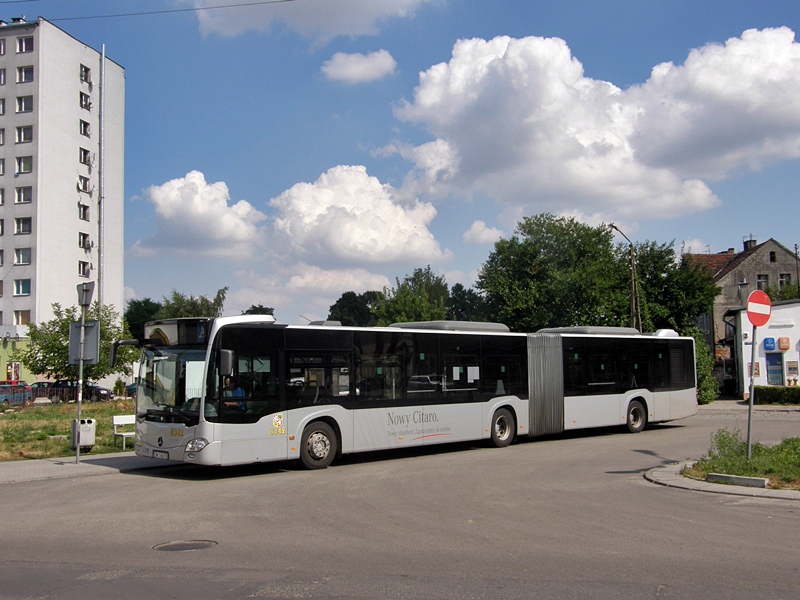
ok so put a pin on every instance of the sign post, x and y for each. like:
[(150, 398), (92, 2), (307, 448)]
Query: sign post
[(85, 291), (759, 309)]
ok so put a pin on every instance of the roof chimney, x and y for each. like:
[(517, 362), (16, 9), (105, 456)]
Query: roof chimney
[(750, 243)]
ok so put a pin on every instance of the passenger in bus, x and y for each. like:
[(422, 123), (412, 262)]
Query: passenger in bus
[(233, 390)]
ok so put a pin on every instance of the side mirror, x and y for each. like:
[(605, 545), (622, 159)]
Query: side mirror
[(226, 362), (112, 354)]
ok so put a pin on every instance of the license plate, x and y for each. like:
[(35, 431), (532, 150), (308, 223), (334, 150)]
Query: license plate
[(160, 454)]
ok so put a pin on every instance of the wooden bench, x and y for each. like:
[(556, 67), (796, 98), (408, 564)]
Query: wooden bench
[(119, 422)]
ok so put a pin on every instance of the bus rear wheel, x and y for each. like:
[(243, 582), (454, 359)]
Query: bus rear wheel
[(502, 428), (637, 417), (318, 446)]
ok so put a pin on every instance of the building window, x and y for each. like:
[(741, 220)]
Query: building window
[(22, 225), (2, 76), (2, 46), (24, 164), (2, 137), (85, 156), (24, 195), (86, 101), (2, 166), (25, 44), (22, 287), (83, 212), (84, 268), (25, 74), (2, 106), (772, 257), (86, 74), (2, 196), (85, 130), (784, 279), (22, 256), (762, 281), (24, 134), (84, 184), (22, 317), (24, 104), (83, 240), (1, 258), (1, 226)]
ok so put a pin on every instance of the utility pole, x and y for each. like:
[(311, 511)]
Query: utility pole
[(636, 310)]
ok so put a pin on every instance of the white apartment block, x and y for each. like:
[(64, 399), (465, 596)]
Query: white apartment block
[(62, 109)]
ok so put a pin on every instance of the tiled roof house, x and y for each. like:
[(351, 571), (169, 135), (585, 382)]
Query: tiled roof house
[(757, 267)]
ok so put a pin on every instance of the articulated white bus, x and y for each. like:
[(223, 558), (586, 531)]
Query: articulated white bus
[(237, 390)]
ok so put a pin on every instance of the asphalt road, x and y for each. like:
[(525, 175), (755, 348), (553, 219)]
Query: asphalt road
[(568, 516)]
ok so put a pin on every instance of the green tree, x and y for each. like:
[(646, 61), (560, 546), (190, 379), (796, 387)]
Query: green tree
[(672, 293), (707, 384), (355, 310), (139, 312), (48, 351), (421, 296), (179, 305), (259, 309), (465, 304), (555, 272), (784, 292)]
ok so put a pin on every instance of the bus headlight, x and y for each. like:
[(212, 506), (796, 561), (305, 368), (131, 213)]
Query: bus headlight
[(196, 444)]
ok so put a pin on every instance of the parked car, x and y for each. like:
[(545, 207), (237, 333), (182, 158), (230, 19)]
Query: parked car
[(15, 393), (130, 390), (66, 390), (41, 389)]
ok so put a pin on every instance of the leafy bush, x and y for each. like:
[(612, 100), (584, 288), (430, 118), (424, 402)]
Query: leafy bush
[(707, 384), (728, 455), (776, 395)]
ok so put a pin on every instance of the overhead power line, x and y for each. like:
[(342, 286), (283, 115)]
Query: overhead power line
[(156, 12)]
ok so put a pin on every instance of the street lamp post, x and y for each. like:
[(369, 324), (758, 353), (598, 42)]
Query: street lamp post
[(636, 311)]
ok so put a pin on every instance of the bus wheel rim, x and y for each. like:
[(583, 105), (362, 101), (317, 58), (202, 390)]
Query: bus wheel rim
[(501, 428), (318, 445)]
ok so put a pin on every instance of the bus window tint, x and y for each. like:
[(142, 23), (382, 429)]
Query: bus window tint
[(601, 364), (634, 364), (379, 363), (424, 380), (253, 390), (504, 366), (319, 378), (461, 377)]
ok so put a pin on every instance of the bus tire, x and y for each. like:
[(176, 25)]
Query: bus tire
[(637, 417), (503, 426), (318, 446)]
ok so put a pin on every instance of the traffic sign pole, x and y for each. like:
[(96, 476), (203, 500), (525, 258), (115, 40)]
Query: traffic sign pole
[(759, 309), (752, 392)]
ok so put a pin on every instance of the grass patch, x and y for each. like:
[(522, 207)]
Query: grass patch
[(728, 455), (45, 431)]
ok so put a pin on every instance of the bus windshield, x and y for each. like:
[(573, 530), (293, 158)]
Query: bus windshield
[(170, 384)]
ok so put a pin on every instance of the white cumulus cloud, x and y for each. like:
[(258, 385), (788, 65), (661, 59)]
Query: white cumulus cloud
[(359, 68), (194, 217), (320, 20), (479, 233), (347, 215), (518, 120)]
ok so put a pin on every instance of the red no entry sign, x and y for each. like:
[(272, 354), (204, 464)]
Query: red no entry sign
[(759, 308)]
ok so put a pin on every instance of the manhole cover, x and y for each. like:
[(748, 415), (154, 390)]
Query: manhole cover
[(185, 545)]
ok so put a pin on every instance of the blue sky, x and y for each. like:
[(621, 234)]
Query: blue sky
[(293, 151)]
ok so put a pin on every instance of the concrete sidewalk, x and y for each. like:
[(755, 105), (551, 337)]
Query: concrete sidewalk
[(18, 471), (670, 476)]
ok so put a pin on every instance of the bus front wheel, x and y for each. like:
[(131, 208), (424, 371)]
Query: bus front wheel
[(637, 417), (318, 446), (502, 428)]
